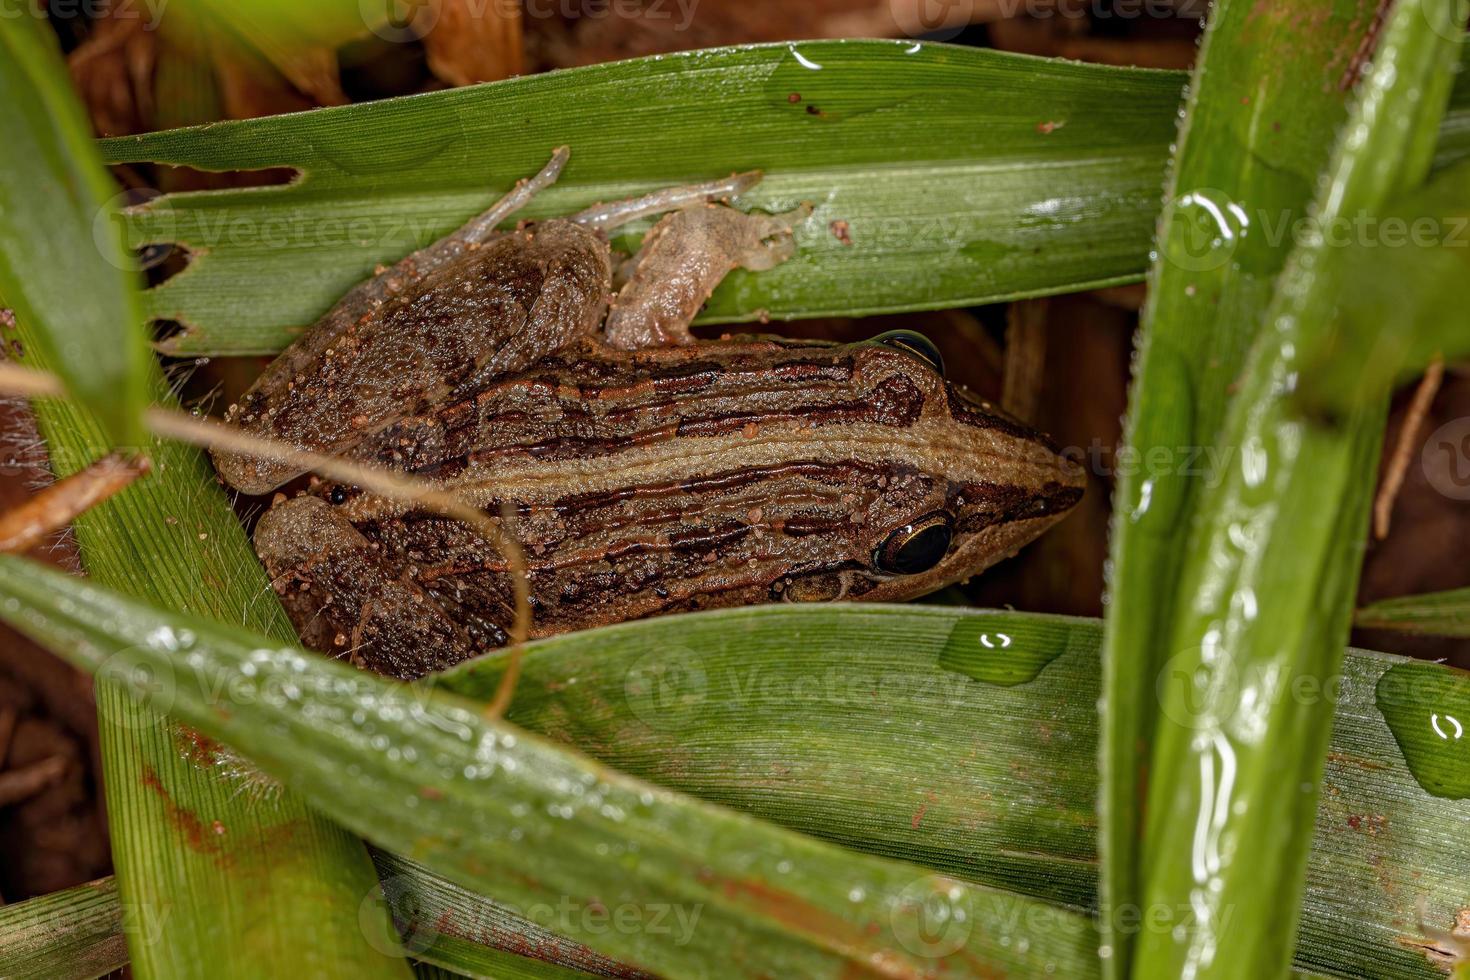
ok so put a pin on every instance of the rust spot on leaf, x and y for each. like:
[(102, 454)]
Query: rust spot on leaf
[(203, 839)]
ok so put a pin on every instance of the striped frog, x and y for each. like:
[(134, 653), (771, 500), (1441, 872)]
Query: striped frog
[(642, 471)]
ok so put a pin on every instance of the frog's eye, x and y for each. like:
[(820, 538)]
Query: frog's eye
[(917, 546), (915, 345), (337, 495)]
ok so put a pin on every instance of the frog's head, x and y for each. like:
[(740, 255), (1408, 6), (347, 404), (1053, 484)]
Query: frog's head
[(962, 485)]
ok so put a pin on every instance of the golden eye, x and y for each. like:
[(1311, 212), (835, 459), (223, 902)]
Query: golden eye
[(917, 546), (915, 345)]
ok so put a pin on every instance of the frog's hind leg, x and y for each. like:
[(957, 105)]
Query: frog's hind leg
[(344, 599), (363, 298), (310, 354), (683, 259)]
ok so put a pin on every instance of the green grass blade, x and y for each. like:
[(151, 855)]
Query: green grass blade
[(278, 872), (1408, 267), (847, 723), (1250, 151), (244, 880), (1273, 564), (512, 814), (55, 236), (964, 176), (455, 928), (851, 724), (74, 934), (950, 196), (1434, 613)]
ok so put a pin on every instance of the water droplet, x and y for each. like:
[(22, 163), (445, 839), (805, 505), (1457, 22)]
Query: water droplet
[(1001, 649), (1427, 707), (1203, 228), (803, 60)]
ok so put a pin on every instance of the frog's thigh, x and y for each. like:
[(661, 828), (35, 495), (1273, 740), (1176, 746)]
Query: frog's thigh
[(344, 599), (682, 260)]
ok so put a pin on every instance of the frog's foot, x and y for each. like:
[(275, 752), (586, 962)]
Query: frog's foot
[(606, 217), (683, 259), (345, 600), (482, 227)]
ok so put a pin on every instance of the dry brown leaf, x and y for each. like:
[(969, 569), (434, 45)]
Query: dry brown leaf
[(113, 72), (469, 41)]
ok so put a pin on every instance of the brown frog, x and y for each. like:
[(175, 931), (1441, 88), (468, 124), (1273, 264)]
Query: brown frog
[(643, 471)]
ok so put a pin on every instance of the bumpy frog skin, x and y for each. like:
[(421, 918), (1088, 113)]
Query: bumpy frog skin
[(645, 472)]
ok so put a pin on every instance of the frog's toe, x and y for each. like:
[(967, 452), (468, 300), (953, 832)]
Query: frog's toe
[(344, 599)]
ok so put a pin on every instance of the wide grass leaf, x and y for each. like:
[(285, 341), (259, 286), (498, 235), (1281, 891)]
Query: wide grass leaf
[(852, 724), (514, 815), (1266, 591), (1407, 267), (963, 176), (1434, 613), (72, 934), (243, 880), (63, 267), (1251, 147)]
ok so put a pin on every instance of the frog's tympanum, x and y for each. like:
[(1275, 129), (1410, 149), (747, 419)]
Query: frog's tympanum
[(643, 471)]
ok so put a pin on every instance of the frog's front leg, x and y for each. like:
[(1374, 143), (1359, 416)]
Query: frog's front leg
[(345, 598), (683, 259)]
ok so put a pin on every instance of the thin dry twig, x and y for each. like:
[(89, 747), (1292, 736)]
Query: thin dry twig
[(1025, 358), (24, 526), (1403, 450), (211, 434)]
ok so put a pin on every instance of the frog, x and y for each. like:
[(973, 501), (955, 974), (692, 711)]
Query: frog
[(643, 471)]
